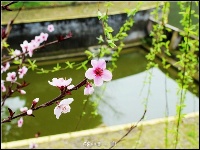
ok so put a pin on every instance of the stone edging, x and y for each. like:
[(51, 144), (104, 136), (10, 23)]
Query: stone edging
[(99, 130)]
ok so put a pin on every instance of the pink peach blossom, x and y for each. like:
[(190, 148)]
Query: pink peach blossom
[(44, 36), (35, 44), (88, 89), (60, 82), (99, 72), (24, 46), (63, 107), (3, 88), (50, 28), (27, 47), (22, 71), (5, 67), (38, 39), (11, 76), (20, 122), (15, 53)]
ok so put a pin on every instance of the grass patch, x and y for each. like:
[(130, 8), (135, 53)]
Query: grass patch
[(37, 4)]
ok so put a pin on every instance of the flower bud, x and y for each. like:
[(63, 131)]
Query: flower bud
[(24, 109), (22, 92), (29, 112)]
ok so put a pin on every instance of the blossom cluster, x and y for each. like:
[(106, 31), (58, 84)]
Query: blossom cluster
[(26, 47), (28, 111), (98, 73)]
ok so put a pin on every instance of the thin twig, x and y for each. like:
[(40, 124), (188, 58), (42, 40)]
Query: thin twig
[(5, 7), (131, 128)]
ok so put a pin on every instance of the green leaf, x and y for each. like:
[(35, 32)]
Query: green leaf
[(109, 29), (32, 64), (17, 62), (5, 44), (167, 66), (108, 4), (57, 68), (42, 71), (99, 14), (70, 65), (89, 53), (100, 39)]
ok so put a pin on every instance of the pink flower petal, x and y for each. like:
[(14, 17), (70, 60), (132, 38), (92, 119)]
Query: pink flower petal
[(66, 101), (24, 109), (98, 63), (98, 81), (101, 64), (20, 122), (90, 73), (70, 86), (94, 63), (57, 112), (107, 75), (88, 90)]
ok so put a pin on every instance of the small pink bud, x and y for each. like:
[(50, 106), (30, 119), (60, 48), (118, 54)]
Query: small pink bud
[(20, 122), (29, 112), (33, 145), (36, 100), (22, 92), (70, 87), (24, 109)]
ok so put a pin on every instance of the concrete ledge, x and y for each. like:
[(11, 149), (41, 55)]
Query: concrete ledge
[(71, 12), (99, 130)]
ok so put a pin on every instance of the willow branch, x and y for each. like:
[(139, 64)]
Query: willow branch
[(183, 82)]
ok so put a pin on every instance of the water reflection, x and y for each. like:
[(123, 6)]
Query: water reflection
[(15, 103), (122, 103)]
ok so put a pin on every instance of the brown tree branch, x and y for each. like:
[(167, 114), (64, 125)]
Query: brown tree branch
[(62, 95), (69, 35)]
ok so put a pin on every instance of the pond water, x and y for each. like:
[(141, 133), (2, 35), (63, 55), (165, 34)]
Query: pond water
[(122, 100)]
